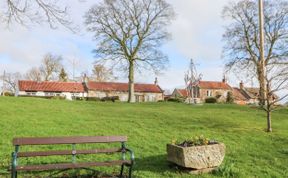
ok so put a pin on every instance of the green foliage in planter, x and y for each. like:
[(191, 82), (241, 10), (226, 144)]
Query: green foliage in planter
[(193, 141)]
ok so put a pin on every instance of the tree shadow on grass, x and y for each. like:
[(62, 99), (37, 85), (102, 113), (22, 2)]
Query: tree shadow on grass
[(157, 164), (90, 173)]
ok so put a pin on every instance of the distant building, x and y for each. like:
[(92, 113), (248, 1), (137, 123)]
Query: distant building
[(143, 92), (248, 95), (50, 89), (206, 89), (219, 90)]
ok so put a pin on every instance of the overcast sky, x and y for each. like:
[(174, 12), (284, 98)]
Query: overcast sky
[(196, 33)]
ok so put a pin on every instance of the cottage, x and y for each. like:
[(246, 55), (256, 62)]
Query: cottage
[(143, 92), (179, 93), (247, 95), (50, 89), (205, 89)]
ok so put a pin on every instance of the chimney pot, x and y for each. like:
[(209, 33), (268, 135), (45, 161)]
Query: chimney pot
[(156, 81), (241, 85)]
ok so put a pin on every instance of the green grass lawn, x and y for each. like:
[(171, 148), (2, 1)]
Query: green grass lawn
[(250, 151)]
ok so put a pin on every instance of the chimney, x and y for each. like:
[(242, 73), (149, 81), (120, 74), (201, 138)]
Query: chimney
[(241, 85), (85, 79), (224, 80), (156, 81)]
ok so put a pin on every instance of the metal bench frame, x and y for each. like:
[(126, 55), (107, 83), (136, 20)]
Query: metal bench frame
[(17, 142)]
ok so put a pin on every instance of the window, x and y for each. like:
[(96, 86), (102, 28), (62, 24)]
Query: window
[(49, 94), (31, 93), (209, 93)]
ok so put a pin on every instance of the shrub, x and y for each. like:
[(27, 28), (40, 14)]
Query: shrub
[(112, 98), (93, 99), (8, 93), (230, 98), (211, 100), (176, 100)]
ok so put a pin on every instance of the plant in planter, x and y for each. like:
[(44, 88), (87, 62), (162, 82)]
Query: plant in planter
[(198, 153)]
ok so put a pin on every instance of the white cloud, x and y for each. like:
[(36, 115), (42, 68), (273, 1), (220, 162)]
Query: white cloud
[(196, 33)]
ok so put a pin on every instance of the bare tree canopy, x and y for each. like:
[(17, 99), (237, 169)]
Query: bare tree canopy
[(34, 74), (51, 66), (37, 11), (102, 74), (242, 49), (129, 33), (63, 77), (10, 81)]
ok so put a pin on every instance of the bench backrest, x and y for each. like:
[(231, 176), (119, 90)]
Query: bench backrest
[(67, 140)]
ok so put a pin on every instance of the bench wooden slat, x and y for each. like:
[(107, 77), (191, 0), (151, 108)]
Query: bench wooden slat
[(68, 140), (62, 166), (66, 152)]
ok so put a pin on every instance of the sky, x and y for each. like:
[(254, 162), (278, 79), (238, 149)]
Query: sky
[(196, 33)]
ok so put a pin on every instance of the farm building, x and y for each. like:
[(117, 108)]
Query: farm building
[(50, 89), (143, 92)]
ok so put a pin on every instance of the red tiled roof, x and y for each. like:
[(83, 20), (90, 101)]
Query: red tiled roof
[(214, 85), (183, 92), (239, 95), (112, 86), (51, 86)]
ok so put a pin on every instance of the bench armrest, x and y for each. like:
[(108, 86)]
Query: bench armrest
[(132, 157)]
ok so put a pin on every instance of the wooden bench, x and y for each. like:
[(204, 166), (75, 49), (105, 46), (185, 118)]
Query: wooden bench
[(17, 142)]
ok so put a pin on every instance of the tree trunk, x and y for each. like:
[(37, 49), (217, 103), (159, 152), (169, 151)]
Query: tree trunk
[(262, 83), (269, 124), (131, 96), (261, 66)]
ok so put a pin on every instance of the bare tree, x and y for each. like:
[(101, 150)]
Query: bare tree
[(10, 81), (102, 74), (243, 50), (129, 34), (34, 74), (51, 66), (37, 11), (63, 75)]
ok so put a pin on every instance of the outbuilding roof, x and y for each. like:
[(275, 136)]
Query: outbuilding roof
[(123, 87), (49, 86), (213, 85)]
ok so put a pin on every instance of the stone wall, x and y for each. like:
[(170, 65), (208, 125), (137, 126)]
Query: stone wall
[(220, 94)]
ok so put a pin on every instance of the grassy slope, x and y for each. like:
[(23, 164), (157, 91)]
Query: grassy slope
[(250, 151)]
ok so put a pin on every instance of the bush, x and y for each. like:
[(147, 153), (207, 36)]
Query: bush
[(8, 94), (211, 100), (176, 100), (112, 98), (93, 99)]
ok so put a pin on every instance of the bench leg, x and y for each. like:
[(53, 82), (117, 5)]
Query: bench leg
[(13, 174), (14, 163), (130, 171), (122, 169)]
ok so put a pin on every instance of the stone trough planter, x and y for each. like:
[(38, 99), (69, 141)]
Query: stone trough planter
[(197, 157)]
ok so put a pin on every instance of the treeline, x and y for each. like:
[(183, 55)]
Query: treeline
[(53, 69)]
